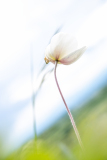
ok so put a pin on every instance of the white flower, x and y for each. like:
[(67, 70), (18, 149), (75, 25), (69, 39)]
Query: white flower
[(63, 49)]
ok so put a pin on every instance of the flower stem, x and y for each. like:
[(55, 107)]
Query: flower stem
[(33, 94), (69, 113)]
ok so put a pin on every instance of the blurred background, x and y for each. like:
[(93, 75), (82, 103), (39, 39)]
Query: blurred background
[(30, 104)]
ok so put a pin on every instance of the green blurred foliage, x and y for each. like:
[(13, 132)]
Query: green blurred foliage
[(91, 120), (32, 150), (60, 142)]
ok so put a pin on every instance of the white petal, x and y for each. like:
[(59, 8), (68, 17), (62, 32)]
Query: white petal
[(47, 50), (62, 44), (72, 57), (48, 54)]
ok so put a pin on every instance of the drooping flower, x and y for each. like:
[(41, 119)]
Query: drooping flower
[(63, 49)]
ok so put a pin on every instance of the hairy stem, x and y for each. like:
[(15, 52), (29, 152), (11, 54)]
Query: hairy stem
[(69, 113)]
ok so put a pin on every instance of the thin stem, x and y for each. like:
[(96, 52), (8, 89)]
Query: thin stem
[(34, 122), (69, 113), (33, 94)]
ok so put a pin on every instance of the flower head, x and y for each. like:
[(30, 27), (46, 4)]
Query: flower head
[(63, 49)]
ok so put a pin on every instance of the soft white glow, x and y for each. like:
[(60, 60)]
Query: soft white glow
[(23, 22), (94, 28)]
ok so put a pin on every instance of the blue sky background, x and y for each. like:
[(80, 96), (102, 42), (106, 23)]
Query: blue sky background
[(25, 30)]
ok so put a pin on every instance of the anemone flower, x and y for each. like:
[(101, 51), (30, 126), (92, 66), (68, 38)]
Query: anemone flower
[(63, 50)]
